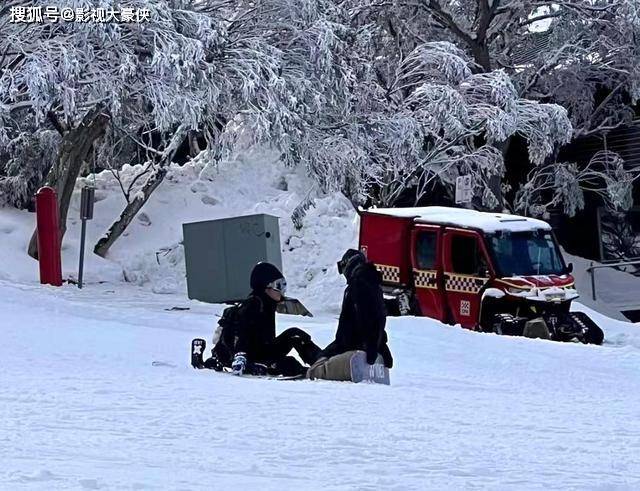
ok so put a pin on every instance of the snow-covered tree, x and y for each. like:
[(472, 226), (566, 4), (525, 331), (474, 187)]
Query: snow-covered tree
[(375, 98), (582, 55), (431, 119), (211, 67)]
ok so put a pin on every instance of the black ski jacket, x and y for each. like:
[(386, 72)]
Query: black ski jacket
[(253, 333), (363, 317)]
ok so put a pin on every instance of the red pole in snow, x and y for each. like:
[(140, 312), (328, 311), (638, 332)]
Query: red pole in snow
[(48, 236)]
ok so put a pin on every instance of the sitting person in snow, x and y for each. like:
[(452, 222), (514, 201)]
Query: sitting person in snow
[(362, 320), (248, 343)]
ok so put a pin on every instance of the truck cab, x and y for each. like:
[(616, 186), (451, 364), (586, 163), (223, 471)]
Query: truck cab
[(483, 271)]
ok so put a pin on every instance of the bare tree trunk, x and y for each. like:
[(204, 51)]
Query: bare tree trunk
[(75, 150), (194, 146), (129, 212), (135, 205)]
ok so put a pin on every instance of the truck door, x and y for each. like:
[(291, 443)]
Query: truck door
[(466, 272), (427, 272)]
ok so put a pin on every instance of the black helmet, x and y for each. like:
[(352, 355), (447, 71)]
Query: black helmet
[(264, 274), (349, 261)]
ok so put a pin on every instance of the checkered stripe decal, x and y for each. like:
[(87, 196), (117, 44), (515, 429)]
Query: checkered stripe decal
[(425, 278), (390, 274), (464, 284)]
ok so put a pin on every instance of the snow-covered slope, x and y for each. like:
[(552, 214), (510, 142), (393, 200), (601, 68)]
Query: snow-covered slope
[(84, 408), (149, 254)]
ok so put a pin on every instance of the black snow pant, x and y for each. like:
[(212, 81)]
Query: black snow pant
[(279, 363)]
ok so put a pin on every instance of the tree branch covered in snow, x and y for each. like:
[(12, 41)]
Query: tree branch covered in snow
[(220, 68), (565, 69), (564, 184), (376, 99), (430, 119)]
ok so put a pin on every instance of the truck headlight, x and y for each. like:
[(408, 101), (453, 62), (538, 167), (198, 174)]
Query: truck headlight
[(515, 291), (555, 296)]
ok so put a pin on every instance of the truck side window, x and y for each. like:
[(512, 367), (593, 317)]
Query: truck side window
[(426, 250), (466, 256)]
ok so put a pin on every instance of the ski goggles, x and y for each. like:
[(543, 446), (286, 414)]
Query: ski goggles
[(279, 285)]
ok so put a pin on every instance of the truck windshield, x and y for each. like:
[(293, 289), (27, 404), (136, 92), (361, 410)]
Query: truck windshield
[(526, 253)]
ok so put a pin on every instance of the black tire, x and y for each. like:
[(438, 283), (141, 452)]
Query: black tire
[(507, 325), (392, 305), (593, 333)]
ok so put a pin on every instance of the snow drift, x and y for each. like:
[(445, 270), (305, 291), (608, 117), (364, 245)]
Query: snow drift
[(150, 253)]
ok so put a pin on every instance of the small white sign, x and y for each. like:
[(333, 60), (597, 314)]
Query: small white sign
[(464, 189), (465, 308)]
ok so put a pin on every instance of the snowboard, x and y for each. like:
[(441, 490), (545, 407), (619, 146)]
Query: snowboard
[(267, 377), (198, 346), (361, 371)]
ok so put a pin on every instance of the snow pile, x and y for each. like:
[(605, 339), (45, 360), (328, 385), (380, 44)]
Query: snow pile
[(16, 227), (150, 253), (15, 231)]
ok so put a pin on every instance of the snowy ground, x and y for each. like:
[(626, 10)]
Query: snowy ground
[(83, 406)]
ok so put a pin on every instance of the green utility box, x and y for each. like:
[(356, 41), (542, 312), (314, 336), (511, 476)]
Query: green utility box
[(219, 255)]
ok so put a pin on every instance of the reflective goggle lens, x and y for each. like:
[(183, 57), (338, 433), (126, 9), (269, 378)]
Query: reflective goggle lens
[(278, 285)]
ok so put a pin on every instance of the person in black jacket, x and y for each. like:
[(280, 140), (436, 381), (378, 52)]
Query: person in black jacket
[(248, 344), (363, 315)]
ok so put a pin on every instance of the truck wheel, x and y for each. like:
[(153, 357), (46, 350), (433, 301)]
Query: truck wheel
[(401, 304), (507, 324), (593, 334)]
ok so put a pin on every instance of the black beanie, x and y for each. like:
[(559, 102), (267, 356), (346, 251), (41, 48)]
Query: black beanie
[(263, 274), (349, 261)]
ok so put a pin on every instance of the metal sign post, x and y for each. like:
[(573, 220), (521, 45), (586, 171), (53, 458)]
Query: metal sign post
[(86, 213)]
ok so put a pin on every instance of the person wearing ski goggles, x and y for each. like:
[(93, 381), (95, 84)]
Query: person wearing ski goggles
[(277, 289), (248, 344)]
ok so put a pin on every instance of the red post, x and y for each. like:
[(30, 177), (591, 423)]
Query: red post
[(48, 236)]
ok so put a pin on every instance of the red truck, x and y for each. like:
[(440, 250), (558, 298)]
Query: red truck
[(485, 271)]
